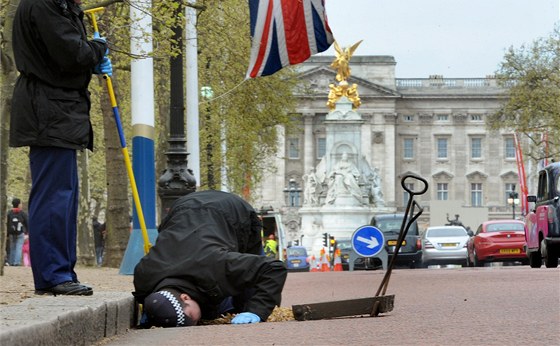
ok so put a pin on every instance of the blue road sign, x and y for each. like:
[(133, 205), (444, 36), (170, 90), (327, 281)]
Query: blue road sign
[(367, 241)]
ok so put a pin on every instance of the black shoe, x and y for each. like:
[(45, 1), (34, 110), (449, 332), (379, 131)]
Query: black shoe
[(78, 282), (68, 288)]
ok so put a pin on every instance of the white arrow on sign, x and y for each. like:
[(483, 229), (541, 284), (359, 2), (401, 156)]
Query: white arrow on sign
[(372, 242)]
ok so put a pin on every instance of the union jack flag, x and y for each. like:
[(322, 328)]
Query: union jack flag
[(286, 32)]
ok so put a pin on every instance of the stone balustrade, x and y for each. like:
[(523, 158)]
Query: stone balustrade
[(440, 82)]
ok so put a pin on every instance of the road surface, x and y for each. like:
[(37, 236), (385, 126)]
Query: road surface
[(497, 305)]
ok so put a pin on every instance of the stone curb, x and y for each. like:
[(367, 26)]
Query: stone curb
[(66, 320)]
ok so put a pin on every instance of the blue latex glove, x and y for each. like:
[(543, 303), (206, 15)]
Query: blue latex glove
[(245, 317), (104, 67), (98, 38)]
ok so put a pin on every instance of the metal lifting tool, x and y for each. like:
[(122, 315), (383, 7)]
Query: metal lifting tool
[(380, 303)]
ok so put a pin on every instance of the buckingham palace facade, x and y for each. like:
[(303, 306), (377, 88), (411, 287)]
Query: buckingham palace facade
[(432, 127)]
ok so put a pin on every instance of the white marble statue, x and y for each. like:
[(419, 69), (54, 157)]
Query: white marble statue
[(343, 179), (310, 191), (376, 193)]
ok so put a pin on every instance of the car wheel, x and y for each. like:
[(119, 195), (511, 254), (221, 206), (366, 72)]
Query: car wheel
[(535, 259), (469, 263), (476, 261), (550, 256)]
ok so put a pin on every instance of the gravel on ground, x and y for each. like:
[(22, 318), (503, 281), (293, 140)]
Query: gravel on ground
[(16, 284)]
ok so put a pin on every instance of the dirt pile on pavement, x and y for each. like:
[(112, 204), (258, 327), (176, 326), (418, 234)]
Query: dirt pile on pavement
[(16, 284)]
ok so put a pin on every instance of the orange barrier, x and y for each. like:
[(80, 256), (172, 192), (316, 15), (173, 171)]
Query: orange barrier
[(337, 267), (313, 264), (325, 266)]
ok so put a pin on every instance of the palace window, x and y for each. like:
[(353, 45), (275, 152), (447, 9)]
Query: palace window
[(476, 148), (321, 147), (476, 117), (442, 148), (509, 146), (408, 148), (442, 191), (476, 194), (293, 148)]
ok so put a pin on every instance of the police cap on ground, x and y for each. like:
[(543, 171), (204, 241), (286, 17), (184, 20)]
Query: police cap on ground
[(164, 309)]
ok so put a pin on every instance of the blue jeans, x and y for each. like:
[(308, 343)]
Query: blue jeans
[(99, 255), (16, 244)]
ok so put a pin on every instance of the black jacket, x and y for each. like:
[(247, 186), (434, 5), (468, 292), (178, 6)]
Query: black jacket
[(209, 246), (50, 104)]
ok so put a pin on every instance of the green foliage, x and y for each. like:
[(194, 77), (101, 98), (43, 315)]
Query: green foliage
[(250, 110), (532, 75)]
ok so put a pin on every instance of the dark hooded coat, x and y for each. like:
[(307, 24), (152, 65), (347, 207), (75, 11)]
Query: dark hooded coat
[(209, 246), (50, 104)]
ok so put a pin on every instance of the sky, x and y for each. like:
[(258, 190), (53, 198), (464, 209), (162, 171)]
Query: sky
[(453, 38)]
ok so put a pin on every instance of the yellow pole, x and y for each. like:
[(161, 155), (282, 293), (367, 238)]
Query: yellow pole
[(135, 196)]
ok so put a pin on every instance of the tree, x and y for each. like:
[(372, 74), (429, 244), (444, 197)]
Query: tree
[(7, 81), (531, 74), (244, 114)]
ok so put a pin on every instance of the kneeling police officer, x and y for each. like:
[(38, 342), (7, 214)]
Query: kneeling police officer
[(207, 261)]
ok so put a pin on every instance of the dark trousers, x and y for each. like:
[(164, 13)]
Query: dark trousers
[(53, 209)]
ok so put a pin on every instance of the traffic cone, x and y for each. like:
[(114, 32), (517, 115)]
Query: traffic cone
[(337, 261), (313, 264), (325, 267)]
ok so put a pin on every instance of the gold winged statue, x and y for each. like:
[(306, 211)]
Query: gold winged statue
[(342, 66), (342, 61)]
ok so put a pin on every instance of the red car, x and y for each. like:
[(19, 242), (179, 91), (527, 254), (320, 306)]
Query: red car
[(497, 241)]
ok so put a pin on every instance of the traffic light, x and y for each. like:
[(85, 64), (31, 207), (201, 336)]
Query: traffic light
[(332, 240), (325, 239)]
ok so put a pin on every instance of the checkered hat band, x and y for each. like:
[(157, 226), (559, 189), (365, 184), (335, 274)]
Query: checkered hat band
[(176, 305)]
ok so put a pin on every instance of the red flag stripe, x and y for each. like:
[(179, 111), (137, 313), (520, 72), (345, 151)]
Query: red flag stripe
[(296, 38), (264, 39)]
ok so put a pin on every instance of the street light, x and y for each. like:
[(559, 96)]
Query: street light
[(177, 179), (513, 200)]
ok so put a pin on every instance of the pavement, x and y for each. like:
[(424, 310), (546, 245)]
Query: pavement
[(67, 320), (461, 306)]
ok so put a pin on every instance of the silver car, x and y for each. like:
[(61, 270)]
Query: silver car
[(444, 245)]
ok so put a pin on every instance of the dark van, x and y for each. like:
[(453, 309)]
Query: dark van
[(410, 253)]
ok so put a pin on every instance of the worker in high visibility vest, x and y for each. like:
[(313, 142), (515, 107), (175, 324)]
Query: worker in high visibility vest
[(271, 247)]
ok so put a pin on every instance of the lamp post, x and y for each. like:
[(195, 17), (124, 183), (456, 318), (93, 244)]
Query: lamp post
[(177, 179), (513, 200)]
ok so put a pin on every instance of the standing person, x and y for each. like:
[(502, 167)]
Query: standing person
[(208, 260), (271, 246), (17, 231), (50, 114), (99, 240), (7, 249)]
